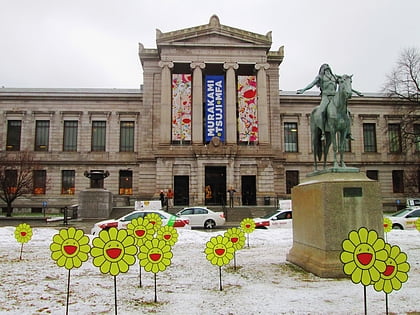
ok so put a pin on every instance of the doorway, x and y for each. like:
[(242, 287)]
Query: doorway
[(215, 185), (181, 190), (248, 190)]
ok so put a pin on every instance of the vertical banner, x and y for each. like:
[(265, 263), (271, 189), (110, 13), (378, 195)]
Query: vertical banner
[(247, 109), (181, 107), (215, 107)]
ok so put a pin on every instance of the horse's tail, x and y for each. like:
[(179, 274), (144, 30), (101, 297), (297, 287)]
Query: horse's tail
[(319, 148)]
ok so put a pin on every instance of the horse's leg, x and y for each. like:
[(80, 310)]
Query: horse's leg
[(334, 142), (326, 147), (343, 139)]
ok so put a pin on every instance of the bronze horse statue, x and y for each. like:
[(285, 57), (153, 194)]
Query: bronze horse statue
[(337, 124)]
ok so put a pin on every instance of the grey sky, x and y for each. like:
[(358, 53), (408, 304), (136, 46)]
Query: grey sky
[(94, 43)]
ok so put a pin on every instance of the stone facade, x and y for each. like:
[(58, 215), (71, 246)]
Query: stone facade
[(257, 170)]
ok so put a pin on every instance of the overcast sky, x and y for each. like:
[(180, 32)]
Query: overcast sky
[(94, 43)]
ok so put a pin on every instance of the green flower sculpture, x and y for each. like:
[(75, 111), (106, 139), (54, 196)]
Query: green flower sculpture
[(418, 224), (248, 225), (155, 255), (364, 256), (23, 233), (387, 225), (113, 251), (237, 237), (396, 270), (70, 248), (155, 219), (219, 250), (141, 229), (169, 234)]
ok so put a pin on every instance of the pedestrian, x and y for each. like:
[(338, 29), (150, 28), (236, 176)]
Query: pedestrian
[(170, 196), (231, 192), (162, 198)]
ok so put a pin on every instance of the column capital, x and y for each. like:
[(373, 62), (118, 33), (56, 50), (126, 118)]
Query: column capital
[(260, 66), (164, 64), (197, 64), (229, 65)]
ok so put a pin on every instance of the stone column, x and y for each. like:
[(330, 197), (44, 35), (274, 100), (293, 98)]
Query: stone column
[(230, 111), (165, 101), (197, 102), (263, 133)]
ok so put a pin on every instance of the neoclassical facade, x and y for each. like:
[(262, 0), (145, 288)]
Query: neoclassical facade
[(209, 117)]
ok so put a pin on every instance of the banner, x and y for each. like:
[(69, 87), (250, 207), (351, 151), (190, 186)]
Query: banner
[(215, 107), (181, 107), (247, 109)]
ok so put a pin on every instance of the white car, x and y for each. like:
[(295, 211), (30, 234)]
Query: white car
[(203, 217), (405, 218), (278, 219), (122, 222)]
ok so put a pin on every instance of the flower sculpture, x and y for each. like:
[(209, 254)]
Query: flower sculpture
[(113, 251), (155, 219), (141, 229), (155, 255), (237, 237), (169, 234), (219, 250), (396, 270), (418, 224), (248, 225), (70, 248), (387, 225), (23, 233), (364, 256)]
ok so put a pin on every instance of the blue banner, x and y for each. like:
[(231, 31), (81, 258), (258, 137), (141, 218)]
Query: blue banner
[(215, 107)]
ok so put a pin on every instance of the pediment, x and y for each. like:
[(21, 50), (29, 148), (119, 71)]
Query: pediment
[(213, 34)]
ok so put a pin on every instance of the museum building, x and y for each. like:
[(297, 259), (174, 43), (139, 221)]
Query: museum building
[(210, 116)]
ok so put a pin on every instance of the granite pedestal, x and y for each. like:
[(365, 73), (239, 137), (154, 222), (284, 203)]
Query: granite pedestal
[(95, 203)]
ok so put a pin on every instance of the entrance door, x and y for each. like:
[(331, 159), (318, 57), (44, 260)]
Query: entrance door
[(249, 191), (215, 185), (181, 190)]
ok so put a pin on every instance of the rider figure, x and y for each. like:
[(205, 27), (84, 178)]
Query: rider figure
[(327, 83)]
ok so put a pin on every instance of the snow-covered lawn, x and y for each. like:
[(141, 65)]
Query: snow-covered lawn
[(263, 282)]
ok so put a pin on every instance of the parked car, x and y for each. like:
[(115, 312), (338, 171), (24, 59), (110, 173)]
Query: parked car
[(405, 218), (203, 217), (278, 219), (122, 222)]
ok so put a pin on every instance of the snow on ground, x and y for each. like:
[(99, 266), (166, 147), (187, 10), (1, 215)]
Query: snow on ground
[(263, 282)]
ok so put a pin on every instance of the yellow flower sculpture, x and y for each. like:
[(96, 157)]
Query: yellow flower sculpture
[(237, 237), (155, 255), (155, 219), (141, 229), (396, 270), (70, 248), (23, 233), (364, 256), (418, 224), (248, 225), (113, 251), (387, 225), (169, 234), (219, 250)]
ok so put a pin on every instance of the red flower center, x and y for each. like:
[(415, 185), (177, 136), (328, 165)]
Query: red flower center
[(248, 226), (140, 233), (364, 258), (234, 239), (23, 233), (70, 249), (389, 270), (113, 252), (167, 236), (155, 257), (153, 222), (219, 251)]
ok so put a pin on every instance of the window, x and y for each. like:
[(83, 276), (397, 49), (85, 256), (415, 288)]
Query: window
[(394, 134), (126, 183), (40, 182), (67, 182), (372, 174), (290, 137), (14, 128), (417, 137), (398, 181), (369, 137), (10, 180), (98, 136), (70, 136), (292, 179), (42, 130), (127, 136)]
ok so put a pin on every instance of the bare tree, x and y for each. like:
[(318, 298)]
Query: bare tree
[(16, 176), (403, 83)]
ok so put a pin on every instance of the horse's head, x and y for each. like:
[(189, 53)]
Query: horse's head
[(344, 84)]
